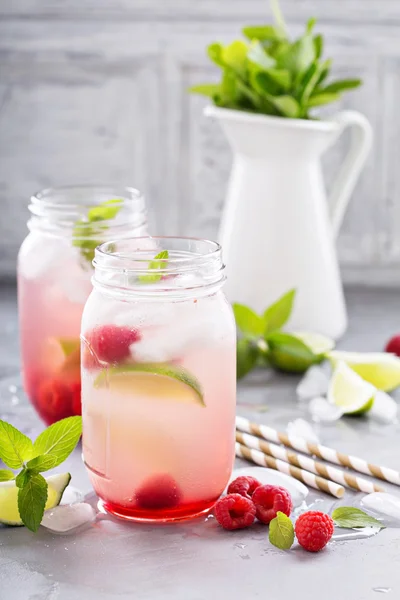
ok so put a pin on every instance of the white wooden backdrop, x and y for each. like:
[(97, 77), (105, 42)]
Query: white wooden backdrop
[(95, 91)]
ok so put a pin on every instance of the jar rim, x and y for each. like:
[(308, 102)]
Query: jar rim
[(128, 263)]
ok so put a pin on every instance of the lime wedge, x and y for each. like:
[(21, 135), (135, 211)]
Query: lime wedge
[(349, 391), (152, 380), (379, 368), (69, 345), (9, 514), (318, 344)]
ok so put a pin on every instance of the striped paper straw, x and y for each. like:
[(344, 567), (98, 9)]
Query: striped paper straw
[(314, 481), (309, 464), (298, 443)]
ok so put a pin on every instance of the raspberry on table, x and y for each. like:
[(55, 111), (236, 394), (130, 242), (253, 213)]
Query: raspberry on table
[(269, 500), (313, 530), (235, 512), (244, 485)]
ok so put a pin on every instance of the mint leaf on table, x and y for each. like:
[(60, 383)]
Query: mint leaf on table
[(157, 263), (277, 315), (248, 321), (349, 517), (41, 463), (6, 475), (15, 447), (281, 532), (88, 233), (60, 439), (32, 498)]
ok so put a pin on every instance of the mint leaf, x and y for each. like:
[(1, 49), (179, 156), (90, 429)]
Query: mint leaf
[(158, 262), (348, 517), (87, 234), (288, 353), (23, 477), (247, 355), (32, 500), (281, 532), (276, 315), (41, 463), (6, 475), (249, 322), (59, 439), (15, 447)]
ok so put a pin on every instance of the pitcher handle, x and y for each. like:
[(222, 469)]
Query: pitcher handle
[(361, 141)]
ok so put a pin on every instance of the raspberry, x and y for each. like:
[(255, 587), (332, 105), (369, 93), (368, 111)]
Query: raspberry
[(110, 343), (54, 400), (76, 404), (269, 499), (159, 492), (393, 345), (244, 485), (235, 512), (314, 530)]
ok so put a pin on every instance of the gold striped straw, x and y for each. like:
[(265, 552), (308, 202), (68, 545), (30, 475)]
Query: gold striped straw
[(309, 464), (314, 481), (323, 452)]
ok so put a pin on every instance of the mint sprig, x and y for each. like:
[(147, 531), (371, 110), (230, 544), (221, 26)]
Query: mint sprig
[(281, 531), (49, 450), (348, 517), (88, 232), (157, 263), (271, 74)]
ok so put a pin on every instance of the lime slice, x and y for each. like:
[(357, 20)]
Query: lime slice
[(379, 368), (9, 514), (349, 391), (152, 380), (69, 345), (319, 344)]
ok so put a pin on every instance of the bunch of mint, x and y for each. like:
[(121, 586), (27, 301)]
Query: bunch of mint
[(281, 530), (31, 459), (262, 342), (272, 75), (88, 232)]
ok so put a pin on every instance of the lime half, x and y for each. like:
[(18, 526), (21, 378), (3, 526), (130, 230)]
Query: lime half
[(9, 514), (319, 344), (162, 381), (349, 391), (378, 368)]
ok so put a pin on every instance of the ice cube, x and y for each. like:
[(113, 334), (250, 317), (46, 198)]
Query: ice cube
[(323, 411), (385, 505), (75, 283), (40, 258), (384, 408), (314, 383), (64, 518), (304, 429)]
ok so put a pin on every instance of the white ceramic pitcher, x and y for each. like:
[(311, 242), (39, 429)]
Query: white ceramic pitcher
[(277, 231)]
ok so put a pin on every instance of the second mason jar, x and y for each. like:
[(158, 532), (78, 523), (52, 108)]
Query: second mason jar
[(54, 281), (158, 378)]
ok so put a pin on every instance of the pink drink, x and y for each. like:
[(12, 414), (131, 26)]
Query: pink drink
[(159, 392), (54, 282)]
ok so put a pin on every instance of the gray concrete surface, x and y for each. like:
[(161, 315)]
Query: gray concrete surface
[(198, 560)]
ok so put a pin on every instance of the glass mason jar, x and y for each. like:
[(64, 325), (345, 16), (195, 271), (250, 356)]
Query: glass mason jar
[(158, 378), (54, 281)]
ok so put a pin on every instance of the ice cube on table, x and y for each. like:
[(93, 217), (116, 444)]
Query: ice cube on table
[(314, 383), (385, 505), (67, 517), (323, 411), (384, 408), (304, 429)]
